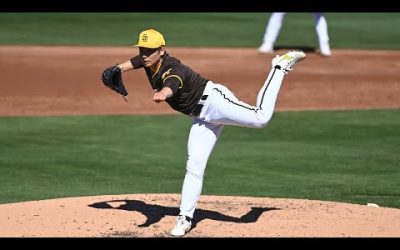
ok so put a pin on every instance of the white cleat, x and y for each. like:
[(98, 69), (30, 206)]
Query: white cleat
[(324, 49), (181, 227), (286, 61), (266, 48)]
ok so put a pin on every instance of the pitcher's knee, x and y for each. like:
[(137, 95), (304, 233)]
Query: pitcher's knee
[(195, 173), (262, 119), (195, 168)]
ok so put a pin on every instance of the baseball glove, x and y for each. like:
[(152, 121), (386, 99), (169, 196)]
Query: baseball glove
[(112, 79)]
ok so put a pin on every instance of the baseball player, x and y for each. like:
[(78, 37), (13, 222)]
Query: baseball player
[(274, 26), (210, 105)]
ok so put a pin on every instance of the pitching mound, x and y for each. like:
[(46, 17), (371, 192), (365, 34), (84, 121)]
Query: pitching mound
[(153, 215)]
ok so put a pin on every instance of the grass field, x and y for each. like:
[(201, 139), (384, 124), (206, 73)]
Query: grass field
[(346, 30), (349, 156)]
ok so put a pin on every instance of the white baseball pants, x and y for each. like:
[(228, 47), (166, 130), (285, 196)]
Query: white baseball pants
[(276, 20), (222, 108)]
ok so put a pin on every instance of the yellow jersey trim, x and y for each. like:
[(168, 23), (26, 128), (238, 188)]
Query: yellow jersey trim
[(166, 73), (158, 68), (180, 85)]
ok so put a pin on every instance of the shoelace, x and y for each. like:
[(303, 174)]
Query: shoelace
[(181, 219)]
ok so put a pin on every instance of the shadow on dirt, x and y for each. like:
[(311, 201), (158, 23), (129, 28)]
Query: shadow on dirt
[(154, 213), (306, 49)]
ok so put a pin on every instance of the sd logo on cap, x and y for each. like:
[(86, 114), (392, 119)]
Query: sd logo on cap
[(150, 39)]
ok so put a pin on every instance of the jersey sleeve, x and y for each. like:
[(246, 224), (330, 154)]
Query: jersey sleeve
[(174, 79), (136, 62)]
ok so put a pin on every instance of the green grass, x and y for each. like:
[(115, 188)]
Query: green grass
[(347, 156), (346, 30)]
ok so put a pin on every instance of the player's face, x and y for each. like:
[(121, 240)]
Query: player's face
[(151, 56)]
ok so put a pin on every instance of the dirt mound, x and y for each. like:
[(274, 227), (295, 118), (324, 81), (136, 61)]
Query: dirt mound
[(153, 215)]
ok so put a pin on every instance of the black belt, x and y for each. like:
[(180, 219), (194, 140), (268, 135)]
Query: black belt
[(197, 109)]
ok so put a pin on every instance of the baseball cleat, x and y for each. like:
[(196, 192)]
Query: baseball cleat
[(287, 61), (266, 48), (325, 49), (181, 227)]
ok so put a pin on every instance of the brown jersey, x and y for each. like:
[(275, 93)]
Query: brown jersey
[(187, 86)]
